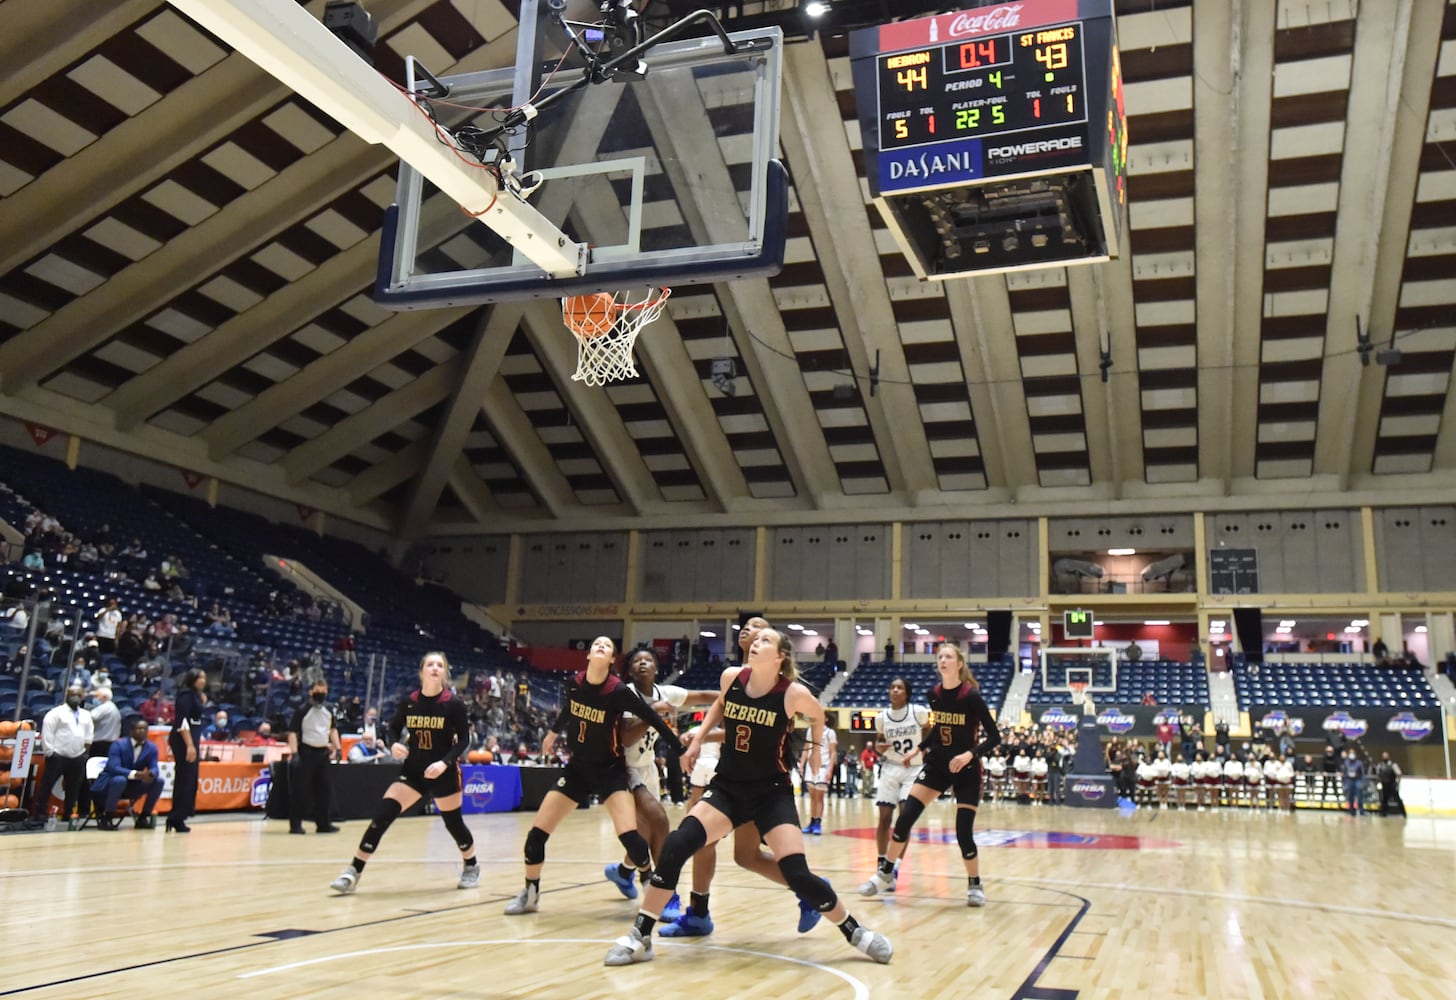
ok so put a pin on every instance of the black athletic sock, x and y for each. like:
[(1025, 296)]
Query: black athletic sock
[(644, 925), (534, 883), (358, 865), (887, 867), (880, 861), (698, 904), (470, 862), (848, 928), (817, 819), (624, 872), (644, 875), (972, 881)]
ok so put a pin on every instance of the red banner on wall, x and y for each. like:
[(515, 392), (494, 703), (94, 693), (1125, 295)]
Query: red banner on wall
[(38, 433)]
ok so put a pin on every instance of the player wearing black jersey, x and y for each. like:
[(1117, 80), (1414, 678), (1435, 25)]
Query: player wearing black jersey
[(952, 760), (590, 718), (439, 734), (757, 708)]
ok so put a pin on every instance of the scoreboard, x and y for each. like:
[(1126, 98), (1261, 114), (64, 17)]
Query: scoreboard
[(996, 137), (1077, 623)]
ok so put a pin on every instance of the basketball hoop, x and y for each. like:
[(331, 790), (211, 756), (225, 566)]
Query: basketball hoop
[(605, 325), (1079, 692)]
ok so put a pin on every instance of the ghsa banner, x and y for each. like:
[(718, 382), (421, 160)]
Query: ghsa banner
[(1371, 725)]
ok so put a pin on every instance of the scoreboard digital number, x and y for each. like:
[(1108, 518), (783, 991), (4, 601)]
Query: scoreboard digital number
[(982, 87), (1077, 624), (863, 720)]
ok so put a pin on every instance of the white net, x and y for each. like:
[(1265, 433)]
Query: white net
[(606, 325)]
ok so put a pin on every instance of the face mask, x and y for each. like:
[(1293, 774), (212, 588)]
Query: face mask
[(74, 701), (318, 697)]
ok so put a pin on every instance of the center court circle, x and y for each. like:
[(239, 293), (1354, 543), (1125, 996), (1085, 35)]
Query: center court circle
[(861, 990)]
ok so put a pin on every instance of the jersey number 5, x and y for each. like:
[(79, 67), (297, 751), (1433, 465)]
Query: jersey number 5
[(425, 739), (741, 735), (945, 736)]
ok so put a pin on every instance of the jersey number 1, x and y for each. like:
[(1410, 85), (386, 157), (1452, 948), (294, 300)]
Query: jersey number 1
[(581, 735)]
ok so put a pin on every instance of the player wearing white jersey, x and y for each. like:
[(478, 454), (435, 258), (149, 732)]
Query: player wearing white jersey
[(817, 765), (899, 731), (639, 743)]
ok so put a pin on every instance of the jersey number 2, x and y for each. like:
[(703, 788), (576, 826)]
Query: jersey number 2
[(741, 735)]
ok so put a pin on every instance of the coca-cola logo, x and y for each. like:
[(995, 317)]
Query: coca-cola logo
[(996, 19), (1090, 790)]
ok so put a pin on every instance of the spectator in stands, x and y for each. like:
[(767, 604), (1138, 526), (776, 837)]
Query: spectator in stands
[(313, 672), (151, 708), (371, 720), (131, 645), (172, 568), (33, 560), (1148, 698), (15, 618), (345, 647), (367, 750), (66, 733), (87, 558), (220, 729), (889, 652), (219, 622), (107, 620), (262, 736), (150, 582), (135, 553), (1381, 652), (831, 652), (1165, 735), (1192, 735), (1220, 738)]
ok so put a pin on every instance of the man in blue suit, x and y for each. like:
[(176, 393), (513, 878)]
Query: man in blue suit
[(131, 769)]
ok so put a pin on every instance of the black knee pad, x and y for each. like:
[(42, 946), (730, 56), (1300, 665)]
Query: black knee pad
[(966, 832), (388, 812), (681, 844), (536, 846), (636, 847), (909, 816), (455, 823), (806, 885)]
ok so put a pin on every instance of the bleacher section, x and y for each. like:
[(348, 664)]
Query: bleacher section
[(1172, 683), (1342, 685), (869, 686), (223, 551)]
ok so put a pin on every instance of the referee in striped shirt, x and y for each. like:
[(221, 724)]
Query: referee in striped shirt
[(313, 739)]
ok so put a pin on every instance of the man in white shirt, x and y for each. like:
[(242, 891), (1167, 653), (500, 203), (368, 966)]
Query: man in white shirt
[(66, 734), (107, 619), (106, 722)]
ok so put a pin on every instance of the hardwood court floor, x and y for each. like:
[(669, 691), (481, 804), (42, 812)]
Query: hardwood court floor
[(1096, 904)]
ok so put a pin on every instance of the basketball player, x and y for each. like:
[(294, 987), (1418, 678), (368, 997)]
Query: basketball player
[(952, 760), (439, 733), (697, 921), (817, 765), (899, 732), (757, 707), (640, 740), (593, 711)]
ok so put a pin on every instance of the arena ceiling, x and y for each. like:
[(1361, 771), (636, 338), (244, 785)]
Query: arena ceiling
[(186, 250)]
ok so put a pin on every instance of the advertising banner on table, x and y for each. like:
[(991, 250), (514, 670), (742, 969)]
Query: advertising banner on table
[(1370, 725), (490, 788)]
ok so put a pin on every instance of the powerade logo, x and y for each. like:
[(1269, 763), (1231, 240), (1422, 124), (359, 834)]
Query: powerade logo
[(1410, 728), (1291, 724), (1346, 725), (1089, 790), (1032, 149), (480, 791), (943, 163), (1058, 718), (262, 785), (1115, 721)]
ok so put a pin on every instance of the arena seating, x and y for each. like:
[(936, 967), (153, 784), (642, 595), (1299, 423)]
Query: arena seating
[(1172, 682), (1344, 685), (869, 686)]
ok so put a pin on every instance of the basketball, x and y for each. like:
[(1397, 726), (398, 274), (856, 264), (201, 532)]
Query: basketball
[(26, 724), (9, 802), (589, 315), (7, 730), (7, 753), (486, 757)]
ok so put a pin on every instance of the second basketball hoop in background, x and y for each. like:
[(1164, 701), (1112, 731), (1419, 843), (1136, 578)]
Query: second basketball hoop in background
[(606, 325)]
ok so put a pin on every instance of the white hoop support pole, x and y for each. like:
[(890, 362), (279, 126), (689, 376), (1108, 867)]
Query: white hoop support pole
[(285, 40)]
